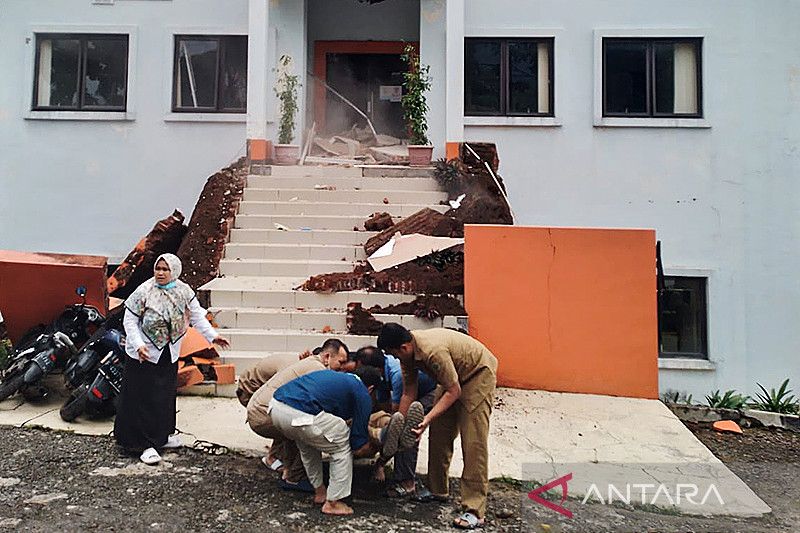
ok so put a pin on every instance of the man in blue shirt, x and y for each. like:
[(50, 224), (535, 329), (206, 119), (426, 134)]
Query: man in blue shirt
[(391, 390), (312, 410)]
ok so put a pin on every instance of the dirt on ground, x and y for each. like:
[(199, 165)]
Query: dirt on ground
[(54, 481), (424, 306)]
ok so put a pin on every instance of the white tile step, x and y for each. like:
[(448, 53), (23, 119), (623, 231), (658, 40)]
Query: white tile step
[(249, 291), (332, 208), (298, 222), (344, 183), (245, 360), (288, 340), (282, 267), (326, 252), (274, 236), (343, 195), (314, 171), (311, 320)]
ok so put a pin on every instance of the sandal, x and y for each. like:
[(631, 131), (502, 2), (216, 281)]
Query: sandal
[(276, 466), (394, 431), (301, 486), (150, 457), (424, 495), (400, 492), (468, 521), (173, 441), (414, 417)]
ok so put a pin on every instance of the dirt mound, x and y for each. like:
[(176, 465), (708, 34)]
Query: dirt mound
[(379, 222), (424, 306)]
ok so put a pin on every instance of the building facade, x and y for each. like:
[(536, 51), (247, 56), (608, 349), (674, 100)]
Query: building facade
[(680, 116)]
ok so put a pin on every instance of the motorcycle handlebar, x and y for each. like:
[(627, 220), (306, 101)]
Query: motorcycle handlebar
[(64, 339)]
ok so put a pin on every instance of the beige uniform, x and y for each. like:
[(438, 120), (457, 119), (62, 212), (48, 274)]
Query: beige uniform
[(451, 357), (253, 378), (260, 421)]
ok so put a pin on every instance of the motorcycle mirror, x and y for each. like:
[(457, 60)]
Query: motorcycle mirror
[(81, 291)]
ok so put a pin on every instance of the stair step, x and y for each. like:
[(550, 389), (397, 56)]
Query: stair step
[(344, 183), (282, 267), (312, 320), (248, 291), (288, 340), (332, 208), (297, 222), (245, 360), (274, 236), (320, 252), (343, 195)]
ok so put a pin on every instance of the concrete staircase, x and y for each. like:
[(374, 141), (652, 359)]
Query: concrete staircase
[(254, 301)]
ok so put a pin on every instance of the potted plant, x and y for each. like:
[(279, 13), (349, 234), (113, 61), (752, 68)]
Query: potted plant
[(417, 82), (286, 86)]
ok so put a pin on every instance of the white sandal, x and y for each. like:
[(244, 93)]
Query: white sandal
[(150, 457), (173, 441), (276, 465)]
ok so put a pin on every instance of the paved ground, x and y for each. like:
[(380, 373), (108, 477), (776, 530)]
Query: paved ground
[(57, 481)]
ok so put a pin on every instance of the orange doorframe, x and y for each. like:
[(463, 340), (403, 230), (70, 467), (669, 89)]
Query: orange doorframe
[(321, 51)]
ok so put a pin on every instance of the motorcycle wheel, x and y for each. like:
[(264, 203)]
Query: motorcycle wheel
[(75, 405), (11, 385)]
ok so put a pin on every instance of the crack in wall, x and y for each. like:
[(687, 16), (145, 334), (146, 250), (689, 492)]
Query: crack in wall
[(549, 296)]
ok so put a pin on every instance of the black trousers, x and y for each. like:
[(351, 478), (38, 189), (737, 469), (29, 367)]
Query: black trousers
[(146, 412)]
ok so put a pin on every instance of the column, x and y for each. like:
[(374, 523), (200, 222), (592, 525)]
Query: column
[(455, 76), (259, 148)]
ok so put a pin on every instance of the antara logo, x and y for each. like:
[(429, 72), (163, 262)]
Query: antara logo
[(535, 495)]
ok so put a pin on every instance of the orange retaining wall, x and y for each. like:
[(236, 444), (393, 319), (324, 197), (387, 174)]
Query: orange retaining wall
[(35, 287), (566, 309)]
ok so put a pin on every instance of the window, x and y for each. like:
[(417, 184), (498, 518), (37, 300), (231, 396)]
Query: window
[(682, 318), (508, 77), (210, 74), (81, 72), (652, 78)]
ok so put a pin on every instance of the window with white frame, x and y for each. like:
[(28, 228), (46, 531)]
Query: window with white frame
[(682, 317), (210, 74), (80, 72), (652, 77), (508, 77)]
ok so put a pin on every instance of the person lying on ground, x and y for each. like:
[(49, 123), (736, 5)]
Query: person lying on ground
[(312, 410), (157, 315), (390, 392), (283, 454), (467, 372)]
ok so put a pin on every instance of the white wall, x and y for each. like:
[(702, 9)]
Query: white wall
[(724, 200), (349, 20), (97, 187)]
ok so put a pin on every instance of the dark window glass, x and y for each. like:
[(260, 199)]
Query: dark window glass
[(482, 66), (81, 72), (651, 77), (508, 77), (682, 318), (210, 74)]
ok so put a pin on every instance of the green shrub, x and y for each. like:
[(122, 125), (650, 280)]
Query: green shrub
[(286, 90), (728, 400), (671, 396), (779, 401), (417, 82)]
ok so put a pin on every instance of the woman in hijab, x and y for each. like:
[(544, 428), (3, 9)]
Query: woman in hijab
[(157, 315)]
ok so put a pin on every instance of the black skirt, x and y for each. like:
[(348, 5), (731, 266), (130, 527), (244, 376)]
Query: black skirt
[(146, 412)]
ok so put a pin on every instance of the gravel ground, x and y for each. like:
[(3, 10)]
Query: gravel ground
[(53, 481)]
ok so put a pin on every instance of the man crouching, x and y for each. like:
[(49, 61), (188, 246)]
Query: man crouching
[(312, 411)]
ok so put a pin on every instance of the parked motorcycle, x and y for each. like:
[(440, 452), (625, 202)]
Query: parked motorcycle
[(34, 359), (98, 391)]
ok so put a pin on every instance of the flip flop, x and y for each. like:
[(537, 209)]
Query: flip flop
[(150, 457), (276, 466), (391, 438), (414, 417), (399, 491), (471, 521), (426, 496), (301, 486)]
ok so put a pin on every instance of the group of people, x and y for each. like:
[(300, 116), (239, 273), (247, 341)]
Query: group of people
[(374, 402)]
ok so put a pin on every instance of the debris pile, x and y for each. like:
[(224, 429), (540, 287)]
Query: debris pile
[(424, 307), (360, 321), (378, 222), (356, 146), (423, 222)]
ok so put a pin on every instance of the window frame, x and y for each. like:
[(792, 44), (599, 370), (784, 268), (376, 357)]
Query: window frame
[(651, 42), (704, 326), (83, 38), (505, 87), (221, 56)]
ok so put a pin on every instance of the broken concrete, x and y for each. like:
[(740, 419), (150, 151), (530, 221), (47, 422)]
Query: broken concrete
[(425, 307), (424, 222), (360, 321), (404, 248), (378, 222)]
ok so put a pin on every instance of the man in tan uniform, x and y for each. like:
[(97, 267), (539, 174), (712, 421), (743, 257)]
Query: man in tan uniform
[(467, 373), (333, 355), (251, 379)]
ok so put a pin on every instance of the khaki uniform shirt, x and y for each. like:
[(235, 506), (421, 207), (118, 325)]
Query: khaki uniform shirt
[(261, 398), (253, 378), (452, 357)]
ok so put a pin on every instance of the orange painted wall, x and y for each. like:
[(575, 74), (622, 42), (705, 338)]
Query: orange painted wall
[(566, 309), (35, 287)]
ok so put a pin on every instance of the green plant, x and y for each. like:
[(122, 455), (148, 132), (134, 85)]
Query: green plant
[(286, 90), (671, 396), (417, 82), (780, 401), (728, 400), (448, 174)]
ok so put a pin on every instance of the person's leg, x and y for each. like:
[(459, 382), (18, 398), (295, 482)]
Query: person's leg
[(335, 441), (377, 421), (293, 469), (474, 429), (312, 462), (442, 433), (405, 463)]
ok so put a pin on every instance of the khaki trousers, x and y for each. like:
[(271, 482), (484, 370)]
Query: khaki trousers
[(281, 448), (474, 430), (313, 435)]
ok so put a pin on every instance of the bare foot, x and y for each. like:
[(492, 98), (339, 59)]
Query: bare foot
[(320, 494), (337, 508)]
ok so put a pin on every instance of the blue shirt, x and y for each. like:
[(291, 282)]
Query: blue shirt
[(338, 393), (393, 376)]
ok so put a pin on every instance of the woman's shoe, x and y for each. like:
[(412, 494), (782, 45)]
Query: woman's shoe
[(173, 441), (150, 457)]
